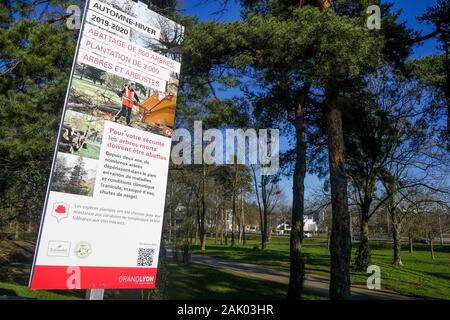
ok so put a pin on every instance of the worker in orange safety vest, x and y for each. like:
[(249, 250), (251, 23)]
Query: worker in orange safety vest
[(128, 96)]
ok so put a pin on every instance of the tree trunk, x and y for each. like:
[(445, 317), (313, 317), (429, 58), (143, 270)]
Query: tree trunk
[(201, 225), (411, 244), (196, 235), (396, 227), (226, 227), (264, 230), (432, 248), (364, 258), (17, 230), (170, 225), (203, 240), (441, 236), (244, 241), (328, 238), (297, 263), (244, 236), (261, 227), (341, 243), (388, 225), (260, 210), (240, 225), (233, 218), (233, 199), (265, 213), (30, 229), (216, 223), (263, 239), (174, 234), (171, 214), (269, 230), (223, 223), (351, 228)]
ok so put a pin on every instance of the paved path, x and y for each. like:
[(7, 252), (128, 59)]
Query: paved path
[(314, 284)]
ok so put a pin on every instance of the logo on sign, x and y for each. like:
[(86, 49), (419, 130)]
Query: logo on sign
[(60, 211), (83, 249), (58, 249)]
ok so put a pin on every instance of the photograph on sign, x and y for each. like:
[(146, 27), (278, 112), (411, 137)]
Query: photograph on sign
[(102, 220), (81, 135)]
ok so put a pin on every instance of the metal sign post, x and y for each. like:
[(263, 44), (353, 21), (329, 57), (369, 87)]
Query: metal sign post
[(95, 294)]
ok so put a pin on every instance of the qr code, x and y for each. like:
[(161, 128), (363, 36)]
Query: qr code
[(145, 257)]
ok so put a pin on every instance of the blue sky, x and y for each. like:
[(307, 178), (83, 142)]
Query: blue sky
[(411, 9)]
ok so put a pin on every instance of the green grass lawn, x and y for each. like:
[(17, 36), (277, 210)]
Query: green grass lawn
[(421, 276), (92, 150)]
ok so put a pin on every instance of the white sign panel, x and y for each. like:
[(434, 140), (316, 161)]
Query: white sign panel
[(102, 220)]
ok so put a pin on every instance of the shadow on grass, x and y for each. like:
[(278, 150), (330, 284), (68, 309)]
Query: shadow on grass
[(7, 292), (246, 254), (196, 281), (443, 276)]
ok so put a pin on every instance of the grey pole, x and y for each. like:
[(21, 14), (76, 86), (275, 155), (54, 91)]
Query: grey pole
[(95, 294)]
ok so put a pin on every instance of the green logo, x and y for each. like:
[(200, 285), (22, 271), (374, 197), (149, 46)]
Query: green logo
[(83, 249)]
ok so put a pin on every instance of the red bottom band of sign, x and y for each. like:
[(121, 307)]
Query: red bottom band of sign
[(73, 278)]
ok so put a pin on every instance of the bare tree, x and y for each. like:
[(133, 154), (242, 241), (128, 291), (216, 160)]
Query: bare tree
[(434, 220), (267, 197)]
